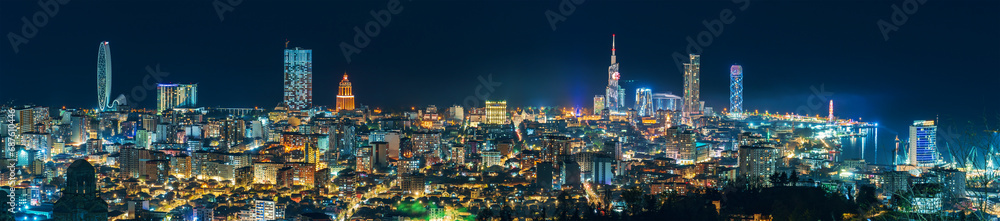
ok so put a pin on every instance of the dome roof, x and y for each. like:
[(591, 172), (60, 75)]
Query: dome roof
[(81, 165)]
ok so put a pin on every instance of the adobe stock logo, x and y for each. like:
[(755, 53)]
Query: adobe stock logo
[(479, 95), (139, 91), (222, 7), (566, 8), (899, 17), (705, 38), (372, 29), (38, 20), (814, 103)]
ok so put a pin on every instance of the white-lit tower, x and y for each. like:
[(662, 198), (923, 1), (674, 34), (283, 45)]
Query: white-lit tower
[(736, 91), (104, 76)]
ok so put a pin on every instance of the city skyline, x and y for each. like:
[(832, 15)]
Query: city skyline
[(433, 110)]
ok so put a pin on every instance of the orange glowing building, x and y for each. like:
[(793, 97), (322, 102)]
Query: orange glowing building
[(345, 96)]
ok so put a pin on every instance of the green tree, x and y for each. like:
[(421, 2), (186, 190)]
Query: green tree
[(484, 214), (868, 203), (633, 196), (783, 179), (774, 178), (794, 178)]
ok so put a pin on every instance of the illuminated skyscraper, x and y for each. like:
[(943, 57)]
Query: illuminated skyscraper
[(496, 112), (692, 87), (736, 90), (644, 102), (666, 101), (345, 96), (298, 78), (104, 76), (923, 144), (176, 95), (598, 104), (830, 117), (612, 96)]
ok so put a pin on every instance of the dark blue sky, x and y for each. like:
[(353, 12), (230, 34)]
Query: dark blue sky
[(941, 61)]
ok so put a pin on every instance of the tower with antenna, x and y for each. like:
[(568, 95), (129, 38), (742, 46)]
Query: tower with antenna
[(612, 92)]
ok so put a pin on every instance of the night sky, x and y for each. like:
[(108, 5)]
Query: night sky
[(940, 61)]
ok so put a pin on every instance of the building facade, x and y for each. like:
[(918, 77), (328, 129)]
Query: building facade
[(644, 102), (756, 163), (298, 78), (176, 96), (345, 95), (598, 104), (103, 76), (496, 112), (736, 90), (692, 87), (80, 199), (923, 144), (612, 96)]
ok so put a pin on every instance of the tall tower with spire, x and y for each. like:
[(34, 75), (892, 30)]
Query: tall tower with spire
[(345, 95), (612, 97)]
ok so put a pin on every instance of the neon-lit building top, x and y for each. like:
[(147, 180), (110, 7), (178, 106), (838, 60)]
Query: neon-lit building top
[(345, 95), (736, 90)]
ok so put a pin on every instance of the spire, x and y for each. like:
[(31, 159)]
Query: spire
[(613, 60), (345, 75)]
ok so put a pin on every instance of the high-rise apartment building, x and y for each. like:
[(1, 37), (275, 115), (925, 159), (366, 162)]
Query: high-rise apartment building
[(265, 209), (923, 144), (496, 112), (598, 104), (692, 87), (756, 163), (176, 96), (644, 102), (298, 78), (365, 162)]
